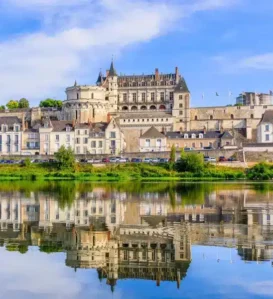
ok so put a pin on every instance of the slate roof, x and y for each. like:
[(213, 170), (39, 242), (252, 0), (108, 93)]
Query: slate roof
[(112, 71), (267, 117), (152, 133), (98, 129), (181, 86), (9, 120), (60, 125), (206, 135), (145, 114)]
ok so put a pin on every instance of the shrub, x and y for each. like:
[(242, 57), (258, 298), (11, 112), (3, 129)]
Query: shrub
[(261, 171), (27, 162), (190, 162), (65, 158)]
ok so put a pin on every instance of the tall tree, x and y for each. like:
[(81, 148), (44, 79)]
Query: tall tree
[(23, 103), (12, 104), (2, 107)]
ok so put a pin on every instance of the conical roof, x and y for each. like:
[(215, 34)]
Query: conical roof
[(112, 71), (100, 79)]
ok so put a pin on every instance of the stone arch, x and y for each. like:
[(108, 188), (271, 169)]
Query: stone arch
[(162, 107), (153, 107), (124, 108), (143, 108), (134, 108)]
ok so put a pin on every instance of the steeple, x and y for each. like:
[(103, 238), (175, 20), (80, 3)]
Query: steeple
[(100, 79), (75, 84), (112, 71)]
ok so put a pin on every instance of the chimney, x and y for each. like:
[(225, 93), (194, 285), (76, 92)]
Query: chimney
[(107, 73), (176, 74), (156, 74), (73, 123)]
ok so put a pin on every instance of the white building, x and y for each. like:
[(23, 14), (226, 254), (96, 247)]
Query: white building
[(265, 128), (152, 141), (10, 135)]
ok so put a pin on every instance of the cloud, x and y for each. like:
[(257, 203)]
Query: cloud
[(235, 64), (76, 37)]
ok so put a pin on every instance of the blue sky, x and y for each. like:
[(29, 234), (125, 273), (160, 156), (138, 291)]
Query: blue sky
[(218, 45), (41, 276)]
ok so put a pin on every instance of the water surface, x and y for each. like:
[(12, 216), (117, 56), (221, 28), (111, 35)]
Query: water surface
[(136, 240)]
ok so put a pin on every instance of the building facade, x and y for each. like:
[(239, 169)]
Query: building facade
[(265, 128)]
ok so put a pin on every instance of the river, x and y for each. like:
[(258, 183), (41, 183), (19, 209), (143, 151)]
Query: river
[(136, 240)]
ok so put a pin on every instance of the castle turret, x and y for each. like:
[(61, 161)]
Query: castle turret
[(112, 79)]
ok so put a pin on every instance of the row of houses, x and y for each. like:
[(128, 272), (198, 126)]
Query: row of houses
[(102, 138)]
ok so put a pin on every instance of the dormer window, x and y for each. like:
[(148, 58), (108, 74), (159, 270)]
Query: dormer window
[(16, 128), (193, 136), (186, 136), (68, 129), (4, 128), (201, 136)]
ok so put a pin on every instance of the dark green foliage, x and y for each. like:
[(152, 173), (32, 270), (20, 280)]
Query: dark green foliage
[(2, 107), (23, 103), (27, 162), (65, 158), (190, 162), (261, 171)]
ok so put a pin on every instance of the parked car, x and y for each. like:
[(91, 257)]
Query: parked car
[(163, 160), (155, 160), (97, 161), (83, 161), (232, 159), (209, 159), (114, 160), (147, 160), (90, 161), (208, 148), (105, 160), (122, 160), (188, 149), (222, 159), (136, 160)]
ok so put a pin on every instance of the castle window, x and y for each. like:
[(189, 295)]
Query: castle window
[(180, 105), (134, 108), (124, 120), (171, 96), (143, 97), (162, 96), (210, 117), (147, 142), (251, 116), (124, 97), (180, 112), (152, 96), (143, 108), (193, 136), (162, 107), (186, 136), (134, 97), (201, 144), (124, 108), (153, 107), (232, 116), (171, 82), (180, 97), (92, 96), (195, 118)]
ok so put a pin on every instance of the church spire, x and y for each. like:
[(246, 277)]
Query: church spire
[(100, 79), (112, 71), (75, 84)]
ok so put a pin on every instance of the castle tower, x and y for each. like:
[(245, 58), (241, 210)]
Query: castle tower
[(112, 79), (181, 106)]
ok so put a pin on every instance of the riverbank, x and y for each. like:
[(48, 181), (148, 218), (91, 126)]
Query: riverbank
[(120, 172)]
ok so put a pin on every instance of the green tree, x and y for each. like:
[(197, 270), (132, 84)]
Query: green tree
[(2, 107), (190, 162), (51, 103), (65, 158), (12, 104), (172, 154), (23, 103)]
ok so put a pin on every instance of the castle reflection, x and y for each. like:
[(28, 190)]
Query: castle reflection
[(138, 235)]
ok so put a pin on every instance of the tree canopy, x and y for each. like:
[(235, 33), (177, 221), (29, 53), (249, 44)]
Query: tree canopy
[(51, 103), (65, 158), (12, 104), (23, 103), (2, 107)]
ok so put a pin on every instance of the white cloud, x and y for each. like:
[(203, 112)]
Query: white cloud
[(77, 36)]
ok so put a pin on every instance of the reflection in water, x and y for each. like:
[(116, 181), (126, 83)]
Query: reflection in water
[(141, 232)]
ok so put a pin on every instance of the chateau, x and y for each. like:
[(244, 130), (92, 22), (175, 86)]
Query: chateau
[(117, 112)]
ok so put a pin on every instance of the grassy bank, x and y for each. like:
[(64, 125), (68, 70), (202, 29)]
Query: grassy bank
[(117, 172)]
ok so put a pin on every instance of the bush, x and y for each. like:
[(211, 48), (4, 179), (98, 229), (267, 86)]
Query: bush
[(190, 162), (65, 158), (27, 162), (261, 171)]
